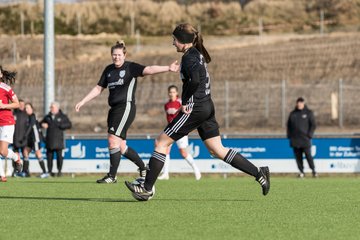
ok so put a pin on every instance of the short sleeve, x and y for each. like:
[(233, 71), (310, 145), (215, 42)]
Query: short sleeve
[(11, 95), (102, 82), (136, 69)]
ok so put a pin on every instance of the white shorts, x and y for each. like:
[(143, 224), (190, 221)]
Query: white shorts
[(183, 142), (7, 133)]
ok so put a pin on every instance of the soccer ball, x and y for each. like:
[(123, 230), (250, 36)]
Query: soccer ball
[(141, 181)]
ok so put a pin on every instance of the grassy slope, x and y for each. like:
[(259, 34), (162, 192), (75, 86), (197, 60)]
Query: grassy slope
[(327, 208)]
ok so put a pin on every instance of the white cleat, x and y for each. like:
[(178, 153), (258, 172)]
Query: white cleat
[(197, 173), (197, 176), (164, 177), (44, 175)]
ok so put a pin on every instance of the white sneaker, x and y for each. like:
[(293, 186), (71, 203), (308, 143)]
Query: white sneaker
[(197, 173), (164, 177), (44, 175)]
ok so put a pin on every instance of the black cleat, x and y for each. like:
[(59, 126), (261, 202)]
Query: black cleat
[(107, 179), (264, 179), (138, 191)]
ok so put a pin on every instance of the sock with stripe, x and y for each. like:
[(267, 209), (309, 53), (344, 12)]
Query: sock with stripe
[(156, 163), (133, 156), (42, 165), (115, 156), (190, 159), (165, 169), (236, 160)]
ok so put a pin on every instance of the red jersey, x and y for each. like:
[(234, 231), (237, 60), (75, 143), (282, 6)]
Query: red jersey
[(172, 109), (6, 115)]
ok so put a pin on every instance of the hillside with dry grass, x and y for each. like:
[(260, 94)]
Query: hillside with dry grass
[(159, 17), (247, 75)]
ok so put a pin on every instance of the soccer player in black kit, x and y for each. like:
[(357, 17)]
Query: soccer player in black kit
[(121, 79), (197, 112)]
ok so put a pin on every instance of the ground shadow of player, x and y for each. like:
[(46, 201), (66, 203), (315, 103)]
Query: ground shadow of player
[(57, 182), (202, 200), (68, 199)]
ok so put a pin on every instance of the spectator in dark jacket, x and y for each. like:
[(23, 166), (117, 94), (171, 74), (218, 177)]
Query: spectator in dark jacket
[(55, 123), (33, 138), (21, 119), (300, 130)]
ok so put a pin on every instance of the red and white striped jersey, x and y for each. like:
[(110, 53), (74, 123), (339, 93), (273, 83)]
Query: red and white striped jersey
[(6, 95)]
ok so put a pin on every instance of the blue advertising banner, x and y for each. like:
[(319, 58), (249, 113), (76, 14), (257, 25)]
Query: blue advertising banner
[(256, 149), (331, 155)]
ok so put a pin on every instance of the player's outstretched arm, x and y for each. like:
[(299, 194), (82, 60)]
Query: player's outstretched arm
[(92, 94), (13, 105), (150, 70)]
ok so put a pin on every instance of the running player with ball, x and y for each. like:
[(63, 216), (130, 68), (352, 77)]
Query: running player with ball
[(197, 112), (172, 108)]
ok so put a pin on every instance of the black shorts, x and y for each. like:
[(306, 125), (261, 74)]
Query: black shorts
[(202, 118), (34, 146), (120, 119), (18, 149)]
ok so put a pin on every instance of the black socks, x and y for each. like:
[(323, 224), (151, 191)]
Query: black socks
[(115, 156), (42, 165), (236, 160), (156, 163), (134, 157), (26, 165)]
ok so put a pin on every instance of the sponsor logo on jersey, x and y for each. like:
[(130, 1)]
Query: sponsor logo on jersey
[(109, 75), (117, 83), (304, 116), (122, 73)]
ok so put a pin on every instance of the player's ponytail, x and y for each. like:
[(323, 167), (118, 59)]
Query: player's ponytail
[(186, 33), (119, 45), (198, 44), (8, 77)]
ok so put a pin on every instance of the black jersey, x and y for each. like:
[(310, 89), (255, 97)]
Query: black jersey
[(195, 77), (33, 130), (121, 82), (21, 119)]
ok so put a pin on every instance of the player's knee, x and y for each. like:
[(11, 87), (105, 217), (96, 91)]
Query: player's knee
[(159, 143), (112, 143), (3, 152)]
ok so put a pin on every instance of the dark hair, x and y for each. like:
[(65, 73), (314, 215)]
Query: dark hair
[(119, 45), (173, 86), (300, 99), (184, 31), (32, 107), (8, 77)]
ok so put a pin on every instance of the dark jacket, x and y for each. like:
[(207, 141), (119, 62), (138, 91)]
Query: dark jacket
[(55, 132), (33, 132), (21, 119), (300, 127)]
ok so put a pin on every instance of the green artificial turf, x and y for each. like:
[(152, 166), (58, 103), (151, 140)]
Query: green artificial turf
[(213, 208)]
